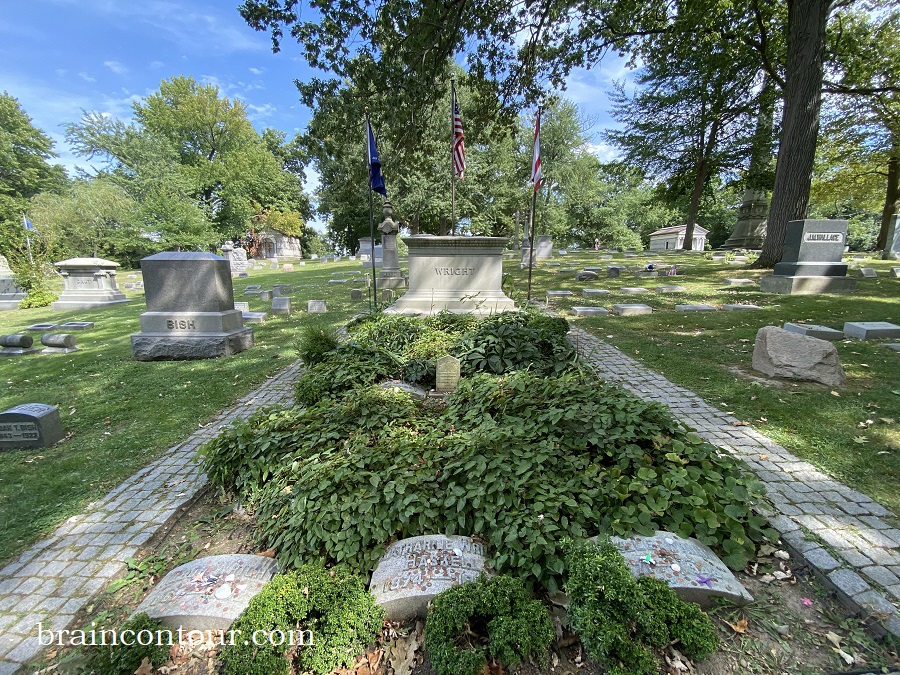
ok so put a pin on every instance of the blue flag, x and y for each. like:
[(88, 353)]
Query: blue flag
[(376, 180), (27, 223)]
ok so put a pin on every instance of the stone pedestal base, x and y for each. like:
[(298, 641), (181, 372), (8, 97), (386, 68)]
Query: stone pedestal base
[(806, 285), (10, 302), (89, 300), (428, 302), (392, 281), (167, 347)]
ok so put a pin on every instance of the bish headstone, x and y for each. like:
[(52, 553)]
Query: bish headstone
[(208, 593), (88, 283), (447, 374), (190, 309), (32, 425), (413, 571), (811, 262)]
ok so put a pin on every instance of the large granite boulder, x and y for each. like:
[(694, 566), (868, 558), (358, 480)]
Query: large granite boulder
[(781, 353)]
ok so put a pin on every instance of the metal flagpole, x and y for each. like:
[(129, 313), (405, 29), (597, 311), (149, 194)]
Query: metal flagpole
[(452, 167), (536, 179), (27, 239), (371, 214)]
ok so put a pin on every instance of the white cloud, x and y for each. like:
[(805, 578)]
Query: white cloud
[(257, 71), (604, 151), (116, 67), (256, 113), (120, 108), (87, 78)]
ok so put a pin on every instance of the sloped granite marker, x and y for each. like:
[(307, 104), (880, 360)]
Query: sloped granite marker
[(413, 571), (689, 567), (31, 425), (208, 593)]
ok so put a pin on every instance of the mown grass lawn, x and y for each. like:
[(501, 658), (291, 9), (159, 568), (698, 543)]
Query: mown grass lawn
[(120, 414), (851, 432)]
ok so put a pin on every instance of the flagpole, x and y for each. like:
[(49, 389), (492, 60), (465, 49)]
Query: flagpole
[(452, 168), (27, 239), (371, 216), (534, 191)]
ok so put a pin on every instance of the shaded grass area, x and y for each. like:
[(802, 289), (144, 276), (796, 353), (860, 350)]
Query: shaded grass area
[(851, 432), (120, 414)]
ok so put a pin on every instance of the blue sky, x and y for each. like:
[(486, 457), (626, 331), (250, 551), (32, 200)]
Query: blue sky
[(59, 57)]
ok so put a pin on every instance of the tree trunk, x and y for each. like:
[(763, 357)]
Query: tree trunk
[(799, 124), (699, 183), (892, 195)]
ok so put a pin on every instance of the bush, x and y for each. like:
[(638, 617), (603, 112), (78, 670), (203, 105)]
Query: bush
[(328, 613), (37, 297), (497, 609), (390, 332), (351, 365), (619, 619), (122, 659), (316, 342)]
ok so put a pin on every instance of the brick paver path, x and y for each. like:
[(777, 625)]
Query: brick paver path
[(56, 577), (854, 547)]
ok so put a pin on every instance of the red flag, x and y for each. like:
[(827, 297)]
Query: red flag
[(459, 149), (536, 157)]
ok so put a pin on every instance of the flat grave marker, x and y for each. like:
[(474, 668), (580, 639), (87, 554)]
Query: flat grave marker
[(871, 330), (868, 272), (447, 374), (738, 307), (695, 308), (31, 425), (76, 325), (816, 331), (670, 289), (589, 311), (413, 571), (281, 305), (41, 327), (316, 307), (739, 282), (633, 289), (591, 292), (631, 309), (356, 294), (208, 593)]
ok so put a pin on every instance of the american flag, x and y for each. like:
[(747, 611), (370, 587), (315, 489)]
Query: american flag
[(459, 149), (536, 157)]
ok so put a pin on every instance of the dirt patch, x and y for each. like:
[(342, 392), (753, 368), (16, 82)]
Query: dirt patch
[(794, 626)]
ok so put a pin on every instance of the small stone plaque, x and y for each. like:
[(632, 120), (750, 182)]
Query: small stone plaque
[(591, 292), (208, 593), (32, 425), (76, 325), (689, 567), (739, 307), (895, 272), (356, 294), (739, 282), (589, 311), (281, 305), (242, 306), (413, 571), (316, 307), (558, 294), (253, 317), (631, 309), (266, 295), (613, 271), (287, 267), (253, 289), (670, 289), (695, 308), (871, 330), (338, 281), (634, 290), (447, 377), (813, 330), (868, 272), (41, 327)]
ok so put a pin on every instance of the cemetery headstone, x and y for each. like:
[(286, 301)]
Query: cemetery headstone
[(586, 275), (41, 327), (413, 571), (689, 567), (32, 425), (316, 307), (647, 273), (17, 344), (871, 330), (552, 295), (76, 325), (400, 385), (543, 247), (738, 307), (447, 374), (631, 309), (253, 289), (895, 346), (589, 311), (892, 243), (811, 261), (59, 343), (670, 289), (338, 281), (281, 305), (816, 331), (242, 306), (356, 294), (562, 251), (236, 257), (208, 593), (895, 272), (784, 354), (88, 283), (387, 295), (128, 286), (287, 267), (868, 272), (593, 292), (389, 277), (190, 309), (633, 290), (266, 295), (613, 271), (10, 292), (739, 282), (695, 308)]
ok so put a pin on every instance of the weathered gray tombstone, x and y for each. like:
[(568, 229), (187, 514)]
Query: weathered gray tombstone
[(59, 343), (266, 295), (868, 272), (739, 307), (41, 327), (613, 271), (543, 246), (88, 283), (447, 374), (892, 245), (784, 354), (32, 425), (695, 308), (236, 257), (634, 290), (739, 282), (871, 330), (390, 275), (281, 305), (316, 307), (253, 289), (365, 248), (552, 295), (208, 593), (811, 262), (589, 311), (128, 286), (593, 292), (631, 309), (816, 331), (242, 306), (387, 294), (10, 292), (413, 571), (895, 272), (670, 289), (586, 275), (76, 325), (689, 567), (190, 309), (282, 290), (17, 344), (356, 294)]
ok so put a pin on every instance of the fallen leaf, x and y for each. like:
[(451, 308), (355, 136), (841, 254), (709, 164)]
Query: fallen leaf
[(739, 627), (764, 457), (740, 424), (268, 553), (146, 668), (834, 393), (886, 420), (767, 578), (782, 555), (844, 655), (833, 638)]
